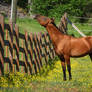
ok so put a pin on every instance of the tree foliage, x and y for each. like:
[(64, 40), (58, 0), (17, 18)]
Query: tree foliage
[(56, 8)]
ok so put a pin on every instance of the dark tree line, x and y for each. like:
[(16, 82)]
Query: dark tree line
[(56, 8)]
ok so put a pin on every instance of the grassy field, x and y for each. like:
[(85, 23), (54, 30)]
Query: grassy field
[(51, 79), (85, 28), (31, 25), (53, 82)]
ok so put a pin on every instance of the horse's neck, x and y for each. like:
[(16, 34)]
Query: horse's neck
[(54, 33)]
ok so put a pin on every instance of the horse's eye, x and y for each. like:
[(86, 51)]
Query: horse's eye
[(44, 19)]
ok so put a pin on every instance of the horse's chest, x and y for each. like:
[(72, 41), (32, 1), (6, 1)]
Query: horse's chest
[(62, 49), (59, 51)]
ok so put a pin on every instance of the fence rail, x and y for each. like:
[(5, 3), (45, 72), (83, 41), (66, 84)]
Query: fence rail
[(23, 52)]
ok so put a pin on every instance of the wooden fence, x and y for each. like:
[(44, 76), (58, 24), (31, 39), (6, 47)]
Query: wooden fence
[(63, 24), (23, 52)]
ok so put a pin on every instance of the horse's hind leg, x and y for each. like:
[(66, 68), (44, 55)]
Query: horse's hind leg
[(64, 70), (90, 56)]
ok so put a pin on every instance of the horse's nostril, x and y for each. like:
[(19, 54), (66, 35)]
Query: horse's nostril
[(36, 16)]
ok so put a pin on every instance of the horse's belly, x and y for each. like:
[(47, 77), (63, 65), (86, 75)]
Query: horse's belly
[(79, 55), (79, 52)]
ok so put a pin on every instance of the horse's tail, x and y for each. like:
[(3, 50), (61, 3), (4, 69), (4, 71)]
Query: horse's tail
[(90, 56)]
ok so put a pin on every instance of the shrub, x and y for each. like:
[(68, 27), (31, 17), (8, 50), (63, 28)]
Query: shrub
[(57, 8), (15, 80)]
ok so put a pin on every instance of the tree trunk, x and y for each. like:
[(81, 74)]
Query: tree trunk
[(13, 11), (30, 7)]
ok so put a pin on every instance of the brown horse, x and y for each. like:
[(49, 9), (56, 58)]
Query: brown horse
[(64, 45)]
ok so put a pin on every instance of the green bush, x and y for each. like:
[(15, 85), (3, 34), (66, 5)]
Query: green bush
[(57, 8), (15, 80)]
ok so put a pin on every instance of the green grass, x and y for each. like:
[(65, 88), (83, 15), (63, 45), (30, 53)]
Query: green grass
[(51, 80), (85, 28), (81, 82), (29, 25)]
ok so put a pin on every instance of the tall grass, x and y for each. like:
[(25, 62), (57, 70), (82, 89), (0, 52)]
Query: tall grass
[(51, 80)]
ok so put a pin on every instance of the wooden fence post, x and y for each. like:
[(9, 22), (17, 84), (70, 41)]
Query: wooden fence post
[(63, 24), (31, 45), (39, 49), (40, 46), (1, 45), (31, 57), (7, 51), (17, 46), (51, 47), (43, 46), (26, 52), (22, 56), (11, 47), (36, 51)]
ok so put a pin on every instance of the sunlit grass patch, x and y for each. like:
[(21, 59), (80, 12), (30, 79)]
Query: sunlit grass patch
[(81, 74), (50, 79)]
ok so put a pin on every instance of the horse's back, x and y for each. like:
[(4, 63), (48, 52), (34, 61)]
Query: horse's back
[(81, 46)]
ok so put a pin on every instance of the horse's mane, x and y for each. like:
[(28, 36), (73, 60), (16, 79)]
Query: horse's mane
[(56, 26)]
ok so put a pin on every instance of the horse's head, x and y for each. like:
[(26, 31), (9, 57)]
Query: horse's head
[(44, 21)]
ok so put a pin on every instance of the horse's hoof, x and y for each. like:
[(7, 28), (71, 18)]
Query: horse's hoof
[(64, 79), (70, 78)]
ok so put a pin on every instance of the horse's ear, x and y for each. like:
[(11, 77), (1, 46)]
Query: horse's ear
[(52, 19)]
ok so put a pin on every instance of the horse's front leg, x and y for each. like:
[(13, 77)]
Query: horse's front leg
[(63, 67), (67, 60)]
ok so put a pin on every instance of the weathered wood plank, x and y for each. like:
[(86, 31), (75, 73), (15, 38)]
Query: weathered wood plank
[(1, 45), (17, 47)]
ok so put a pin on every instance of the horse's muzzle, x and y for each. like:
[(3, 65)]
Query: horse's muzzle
[(36, 16)]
